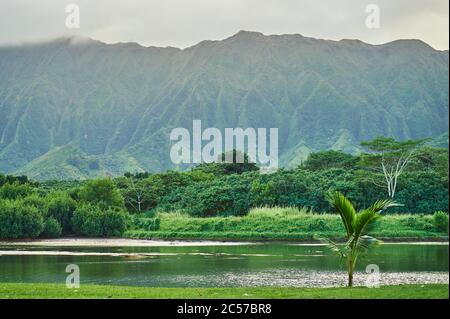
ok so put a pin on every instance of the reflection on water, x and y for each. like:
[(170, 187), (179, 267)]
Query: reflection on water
[(212, 266)]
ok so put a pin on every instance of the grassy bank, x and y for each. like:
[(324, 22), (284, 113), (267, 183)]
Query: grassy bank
[(9, 290), (288, 224)]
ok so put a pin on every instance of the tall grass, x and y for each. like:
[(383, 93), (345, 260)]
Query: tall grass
[(276, 223), (174, 214), (279, 212)]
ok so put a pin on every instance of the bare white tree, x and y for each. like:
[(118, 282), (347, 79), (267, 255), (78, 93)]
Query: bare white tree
[(137, 194), (389, 158)]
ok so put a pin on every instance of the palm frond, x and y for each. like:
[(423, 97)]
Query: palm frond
[(365, 243), (334, 247), (365, 221), (382, 205), (345, 209)]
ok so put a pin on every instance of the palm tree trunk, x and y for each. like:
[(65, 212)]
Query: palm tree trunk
[(350, 266)]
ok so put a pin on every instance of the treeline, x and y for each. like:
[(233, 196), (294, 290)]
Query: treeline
[(233, 189), (103, 207), (28, 210)]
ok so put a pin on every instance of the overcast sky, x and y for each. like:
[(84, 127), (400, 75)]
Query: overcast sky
[(182, 23)]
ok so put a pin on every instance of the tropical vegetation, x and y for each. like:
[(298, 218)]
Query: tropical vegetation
[(221, 200)]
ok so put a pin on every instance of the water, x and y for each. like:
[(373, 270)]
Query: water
[(221, 266)]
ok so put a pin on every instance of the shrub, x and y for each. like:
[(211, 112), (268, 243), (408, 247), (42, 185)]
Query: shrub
[(101, 192), (440, 220), (86, 221), (52, 228), (19, 221), (114, 222), (15, 191), (36, 201), (227, 196), (61, 207), (149, 213), (90, 220), (418, 222), (211, 201)]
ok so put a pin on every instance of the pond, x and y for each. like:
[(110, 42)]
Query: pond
[(275, 264)]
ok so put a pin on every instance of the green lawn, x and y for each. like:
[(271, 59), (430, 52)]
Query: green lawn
[(13, 290)]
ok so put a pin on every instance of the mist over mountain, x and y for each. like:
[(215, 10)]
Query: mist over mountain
[(78, 108)]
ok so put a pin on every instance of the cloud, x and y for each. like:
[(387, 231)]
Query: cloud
[(183, 23)]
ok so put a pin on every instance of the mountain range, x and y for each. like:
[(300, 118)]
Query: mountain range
[(75, 108)]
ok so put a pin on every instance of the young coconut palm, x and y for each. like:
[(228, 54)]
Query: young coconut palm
[(357, 226)]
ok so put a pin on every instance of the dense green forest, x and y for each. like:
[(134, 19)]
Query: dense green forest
[(110, 206)]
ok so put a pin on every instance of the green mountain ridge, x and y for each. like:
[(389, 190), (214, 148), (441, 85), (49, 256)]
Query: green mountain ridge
[(70, 163), (80, 108)]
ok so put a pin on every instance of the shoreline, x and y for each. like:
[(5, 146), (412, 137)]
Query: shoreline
[(119, 242), (127, 242)]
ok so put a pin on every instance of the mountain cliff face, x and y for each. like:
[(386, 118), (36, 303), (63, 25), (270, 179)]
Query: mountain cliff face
[(77, 108)]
